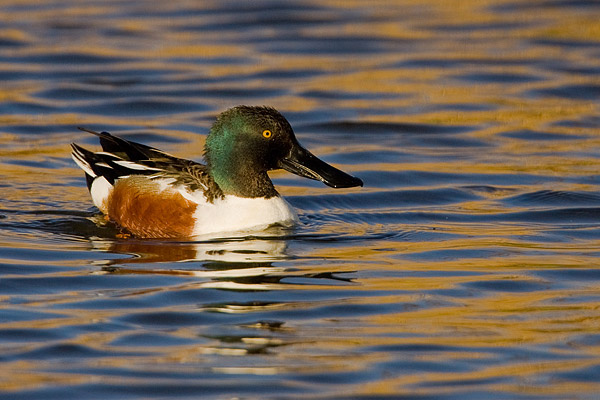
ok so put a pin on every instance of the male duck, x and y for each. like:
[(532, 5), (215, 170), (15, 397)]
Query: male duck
[(153, 194)]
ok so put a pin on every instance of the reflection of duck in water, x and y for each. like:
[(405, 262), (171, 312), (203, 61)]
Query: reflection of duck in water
[(244, 249), (248, 263), (233, 263), (155, 195)]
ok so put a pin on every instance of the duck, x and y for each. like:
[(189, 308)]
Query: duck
[(149, 193)]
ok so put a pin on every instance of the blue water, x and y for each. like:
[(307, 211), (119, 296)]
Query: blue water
[(465, 268)]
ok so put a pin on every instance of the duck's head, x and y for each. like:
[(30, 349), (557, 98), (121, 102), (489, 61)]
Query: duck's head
[(246, 142)]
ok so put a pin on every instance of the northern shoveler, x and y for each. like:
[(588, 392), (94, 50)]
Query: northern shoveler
[(153, 194)]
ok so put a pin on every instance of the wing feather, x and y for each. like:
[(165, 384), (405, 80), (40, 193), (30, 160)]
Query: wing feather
[(121, 158)]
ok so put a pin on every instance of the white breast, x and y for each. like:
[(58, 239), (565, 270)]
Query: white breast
[(238, 213)]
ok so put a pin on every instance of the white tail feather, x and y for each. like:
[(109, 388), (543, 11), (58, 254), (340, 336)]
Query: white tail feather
[(82, 163)]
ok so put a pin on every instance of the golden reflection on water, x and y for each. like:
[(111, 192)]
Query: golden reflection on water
[(478, 291)]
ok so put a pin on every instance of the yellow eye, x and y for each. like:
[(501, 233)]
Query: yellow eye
[(267, 133)]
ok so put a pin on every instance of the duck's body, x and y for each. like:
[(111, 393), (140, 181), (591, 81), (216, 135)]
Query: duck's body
[(155, 195), (155, 208)]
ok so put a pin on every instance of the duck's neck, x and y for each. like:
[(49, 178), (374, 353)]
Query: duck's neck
[(241, 181)]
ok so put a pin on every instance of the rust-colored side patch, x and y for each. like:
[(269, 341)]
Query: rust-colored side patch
[(138, 205)]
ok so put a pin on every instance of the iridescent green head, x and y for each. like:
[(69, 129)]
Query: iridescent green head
[(245, 142)]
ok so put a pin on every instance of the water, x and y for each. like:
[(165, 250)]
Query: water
[(466, 268)]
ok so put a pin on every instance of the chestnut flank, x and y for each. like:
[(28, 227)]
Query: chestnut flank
[(139, 205)]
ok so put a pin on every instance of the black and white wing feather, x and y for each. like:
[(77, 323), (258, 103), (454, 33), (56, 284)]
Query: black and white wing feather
[(122, 158)]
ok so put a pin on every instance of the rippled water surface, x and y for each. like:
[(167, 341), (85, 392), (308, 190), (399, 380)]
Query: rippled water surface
[(466, 268)]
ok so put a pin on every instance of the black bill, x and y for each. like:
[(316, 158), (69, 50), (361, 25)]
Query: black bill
[(303, 163)]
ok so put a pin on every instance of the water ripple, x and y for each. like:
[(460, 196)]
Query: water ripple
[(464, 268)]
